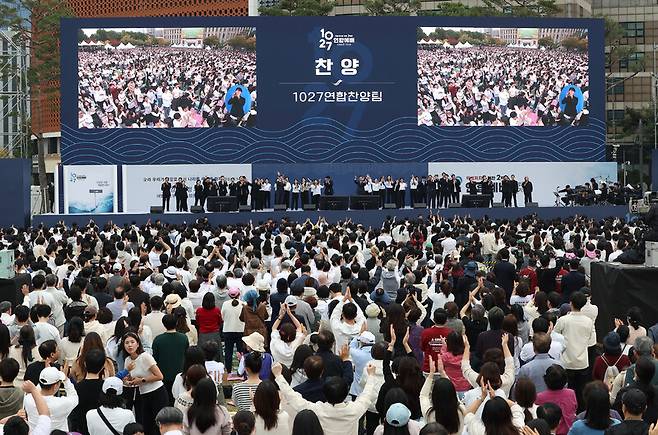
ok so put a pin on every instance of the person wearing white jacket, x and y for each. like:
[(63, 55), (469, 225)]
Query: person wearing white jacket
[(347, 321), (336, 416)]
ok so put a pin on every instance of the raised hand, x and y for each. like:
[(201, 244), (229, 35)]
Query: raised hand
[(393, 337), (277, 369)]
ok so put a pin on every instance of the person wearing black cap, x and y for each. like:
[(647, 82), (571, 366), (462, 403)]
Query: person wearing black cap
[(634, 403)]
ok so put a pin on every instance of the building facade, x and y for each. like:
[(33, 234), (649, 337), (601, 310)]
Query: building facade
[(568, 8)]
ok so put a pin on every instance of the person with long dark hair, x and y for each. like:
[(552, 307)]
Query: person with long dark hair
[(597, 415), (193, 355), (192, 377), (644, 372), (438, 400), (499, 416), (296, 369), (70, 345), (270, 418), (205, 416), (25, 352), (79, 368), (409, 376), (147, 377), (307, 423), (209, 321)]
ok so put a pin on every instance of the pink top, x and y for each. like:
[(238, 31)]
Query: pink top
[(566, 400), (452, 364)]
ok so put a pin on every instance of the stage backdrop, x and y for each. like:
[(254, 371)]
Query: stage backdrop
[(546, 177), (142, 182), (331, 89), (90, 189)]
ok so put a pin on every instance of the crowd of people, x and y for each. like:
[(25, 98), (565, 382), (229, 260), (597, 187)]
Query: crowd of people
[(166, 87), (502, 86), (425, 326)]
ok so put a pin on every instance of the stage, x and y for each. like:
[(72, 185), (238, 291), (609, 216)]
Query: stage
[(366, 217)]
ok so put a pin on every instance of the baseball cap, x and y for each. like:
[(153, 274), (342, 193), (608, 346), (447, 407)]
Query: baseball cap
[(114, 384), (169, 415), (367, 337), (233, 292), (398, 415), (470, 268), (431, 264), (291, 301), (51, 375), (117, 267)]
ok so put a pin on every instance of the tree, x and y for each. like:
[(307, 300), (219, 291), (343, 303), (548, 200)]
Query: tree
[(546, 42), (244, 42), (299, 8), (524, 8), (459, 10), (211, 41), (392, 7), (36, 24), (420, 34), (574, 43)]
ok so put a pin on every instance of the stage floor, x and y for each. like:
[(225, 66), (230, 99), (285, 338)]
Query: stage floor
[(365, 217)]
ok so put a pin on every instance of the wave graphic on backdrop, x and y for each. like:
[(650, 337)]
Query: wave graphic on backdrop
[(105, 204), (323, 140)]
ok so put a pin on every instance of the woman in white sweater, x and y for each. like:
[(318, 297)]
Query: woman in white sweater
[(233, 327), (499, 414), (270, 418)]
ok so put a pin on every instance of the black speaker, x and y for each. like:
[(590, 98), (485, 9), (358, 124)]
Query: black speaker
[(334, 202), (454, 205), (390, 205), (476, 201), (532, 204), (497, 205), (364, 202), (222, 203), (10, 288), (280, 207), (420, 205), (157, 209), (196, 209), (308, 207), (244, 207)]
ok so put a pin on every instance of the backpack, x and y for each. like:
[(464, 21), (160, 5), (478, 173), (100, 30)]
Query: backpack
[(611, 372)]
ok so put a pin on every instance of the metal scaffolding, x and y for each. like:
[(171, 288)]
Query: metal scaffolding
[(14, 97)]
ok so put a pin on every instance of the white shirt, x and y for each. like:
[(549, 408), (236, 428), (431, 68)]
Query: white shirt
[(282, 425), (60, 408), (339, 419), (117, 417), (142, 369), (579, 334), (231, 317), (284, 352)]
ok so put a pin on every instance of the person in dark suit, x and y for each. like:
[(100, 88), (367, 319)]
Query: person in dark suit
[(456, 188), (527, 190), (446, 190), (165, 188), (487, 188), (180, 191), (198, 193), (505, 272), (237, 102), (506, 188), (472, 186), (572, 281), (431, 192), (328, 186), (515, 189)]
